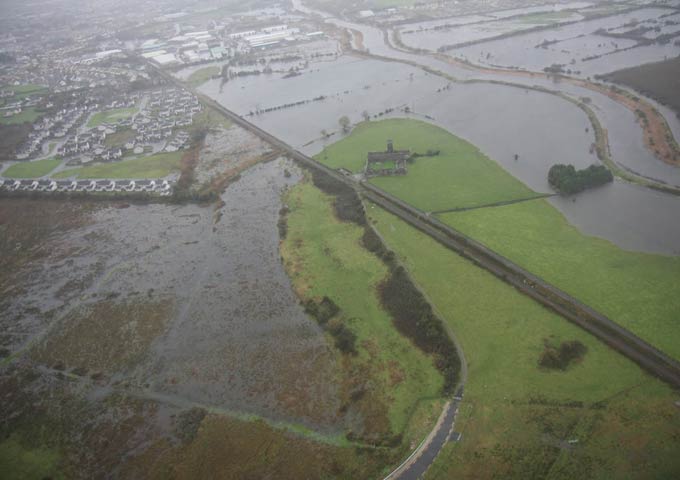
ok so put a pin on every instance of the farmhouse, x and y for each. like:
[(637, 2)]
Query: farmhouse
[(389, 162)]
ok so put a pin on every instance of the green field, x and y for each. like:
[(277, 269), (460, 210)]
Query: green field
[(515, 414), (35, 169), (21, 92), (199, 77), (31, 114), (324, 257), (637, 290), (27, 89), (154, 166), (460, 176), (110, 116), (120, 138)]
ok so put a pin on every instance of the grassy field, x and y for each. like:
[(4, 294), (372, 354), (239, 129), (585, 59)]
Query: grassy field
[(517, 417), (35, 169), (21, 92), (28, 115), (120, 138), (637, 290), (324, 257), (153, 166), (27, 89), (110, 116), (199, 77), (460, 176)]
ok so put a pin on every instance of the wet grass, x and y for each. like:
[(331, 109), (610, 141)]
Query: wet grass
[(154, 166), (104, 337), (120, 138), (35, 169), (229, 448), (637, 290), (18, 462), (110, 116), (388, 376), (517, 417), (460, 176)]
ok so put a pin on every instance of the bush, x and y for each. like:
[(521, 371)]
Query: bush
[(345, 339), (282, 224), (322, 311), (187, 424), (559, 358)]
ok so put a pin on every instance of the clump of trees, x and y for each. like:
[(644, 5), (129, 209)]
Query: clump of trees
[(560, 357), (566, 179), (414, 318)]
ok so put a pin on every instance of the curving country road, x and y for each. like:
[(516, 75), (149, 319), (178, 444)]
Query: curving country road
[(415, 466)]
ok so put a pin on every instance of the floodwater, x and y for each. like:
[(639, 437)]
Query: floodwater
[(236, 337), (432, 39), (575, 46), (633, 217)]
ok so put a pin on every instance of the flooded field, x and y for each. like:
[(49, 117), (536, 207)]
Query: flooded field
[(322, 94), (186, 304), (434, 35), (576, 46)]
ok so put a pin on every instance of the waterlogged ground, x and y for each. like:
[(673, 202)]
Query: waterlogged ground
[(122, 317), (576, 46), (203, 289)]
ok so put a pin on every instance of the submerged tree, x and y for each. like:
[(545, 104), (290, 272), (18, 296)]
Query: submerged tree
[(344, 123)]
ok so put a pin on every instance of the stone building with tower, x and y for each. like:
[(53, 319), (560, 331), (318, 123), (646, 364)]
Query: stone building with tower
[(389, 162)]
